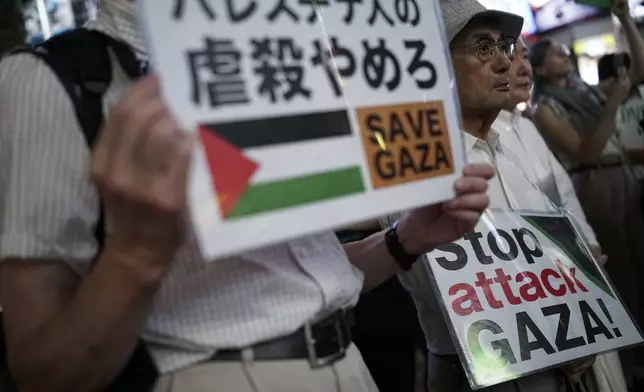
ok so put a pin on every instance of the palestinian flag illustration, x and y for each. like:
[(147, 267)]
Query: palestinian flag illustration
[(561, 233), (244, 191)]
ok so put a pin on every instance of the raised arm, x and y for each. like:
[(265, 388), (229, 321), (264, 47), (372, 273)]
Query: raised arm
[(582, 149), (633, 38)]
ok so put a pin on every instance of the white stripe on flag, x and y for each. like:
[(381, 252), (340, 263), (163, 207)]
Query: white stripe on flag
[(303, 158)]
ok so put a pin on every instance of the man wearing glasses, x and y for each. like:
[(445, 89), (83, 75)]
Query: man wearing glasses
[(482, 42)]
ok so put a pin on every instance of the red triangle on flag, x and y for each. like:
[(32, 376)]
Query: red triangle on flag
[(230, 169)]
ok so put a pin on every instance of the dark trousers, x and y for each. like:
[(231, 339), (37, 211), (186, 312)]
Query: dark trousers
[(387, 330), (445, 373), (387, 333)]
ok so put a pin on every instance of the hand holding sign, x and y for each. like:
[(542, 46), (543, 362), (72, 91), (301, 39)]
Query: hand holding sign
[(140, 166), (423, 229)]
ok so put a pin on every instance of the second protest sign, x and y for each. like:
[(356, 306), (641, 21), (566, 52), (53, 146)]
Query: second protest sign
[(523, 294)]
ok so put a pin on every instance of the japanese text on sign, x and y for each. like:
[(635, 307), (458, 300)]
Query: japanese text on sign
[(282, 64), (406, 11)]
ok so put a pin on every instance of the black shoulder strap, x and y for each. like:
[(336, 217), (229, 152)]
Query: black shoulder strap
[(81, 60)]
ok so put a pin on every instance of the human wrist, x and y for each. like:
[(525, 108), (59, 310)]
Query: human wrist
[(403, 258), (407, 238), (147, 267)]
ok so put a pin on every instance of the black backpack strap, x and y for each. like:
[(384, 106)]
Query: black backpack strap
[(84, 70), (83, 66), (81, 60)]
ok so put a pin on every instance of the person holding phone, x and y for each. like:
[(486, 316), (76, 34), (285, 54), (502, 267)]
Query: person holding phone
[(630, 117), (578, 122)]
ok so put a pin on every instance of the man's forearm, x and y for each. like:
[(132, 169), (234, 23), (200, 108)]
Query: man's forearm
[(87, 341), (372, 257)]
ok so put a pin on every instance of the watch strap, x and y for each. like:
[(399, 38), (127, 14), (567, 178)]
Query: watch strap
[(396, 250)]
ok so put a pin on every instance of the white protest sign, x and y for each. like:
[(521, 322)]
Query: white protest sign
[(523, 294), (312, 114)]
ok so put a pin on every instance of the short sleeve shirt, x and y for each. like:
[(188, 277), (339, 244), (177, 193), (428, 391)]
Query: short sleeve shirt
[(49, 207)]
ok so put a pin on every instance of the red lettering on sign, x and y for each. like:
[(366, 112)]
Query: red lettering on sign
[(467, 299)]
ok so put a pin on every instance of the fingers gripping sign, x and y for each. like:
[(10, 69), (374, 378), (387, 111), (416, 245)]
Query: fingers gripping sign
[(425, 228), (140, 166)]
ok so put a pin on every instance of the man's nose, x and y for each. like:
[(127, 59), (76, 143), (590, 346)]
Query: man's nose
[(502, 62)]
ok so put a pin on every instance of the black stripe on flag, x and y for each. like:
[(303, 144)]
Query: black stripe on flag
[(281, 130)]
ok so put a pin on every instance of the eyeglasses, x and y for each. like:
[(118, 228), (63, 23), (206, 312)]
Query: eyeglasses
[(486, 47)]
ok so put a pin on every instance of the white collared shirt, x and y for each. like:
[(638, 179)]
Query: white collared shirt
[(49, 207), (521, 138), (513, 188)]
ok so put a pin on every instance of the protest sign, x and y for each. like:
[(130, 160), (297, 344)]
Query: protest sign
[(313, 114), (523, 294)]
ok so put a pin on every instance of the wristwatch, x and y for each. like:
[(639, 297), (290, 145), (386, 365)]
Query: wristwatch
[(396, 250)]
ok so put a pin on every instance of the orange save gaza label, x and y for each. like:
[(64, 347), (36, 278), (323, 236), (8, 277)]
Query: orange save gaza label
[(405, 143)]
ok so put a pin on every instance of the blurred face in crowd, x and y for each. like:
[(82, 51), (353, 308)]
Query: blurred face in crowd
[(520, 75), (557, 63), (481, 63)]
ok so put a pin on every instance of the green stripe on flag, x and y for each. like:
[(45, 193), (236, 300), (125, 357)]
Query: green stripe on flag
[(293, 192)]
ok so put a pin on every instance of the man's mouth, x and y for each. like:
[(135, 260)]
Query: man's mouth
[(505, 86)]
